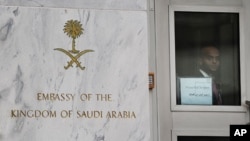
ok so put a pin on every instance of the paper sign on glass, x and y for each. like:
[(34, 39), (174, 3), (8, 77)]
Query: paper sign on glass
[(196, 91)]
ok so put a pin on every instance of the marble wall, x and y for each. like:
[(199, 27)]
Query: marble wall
[(40, 100), (90, 4)]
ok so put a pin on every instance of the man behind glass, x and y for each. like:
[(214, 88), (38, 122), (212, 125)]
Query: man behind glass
[(209, 63)]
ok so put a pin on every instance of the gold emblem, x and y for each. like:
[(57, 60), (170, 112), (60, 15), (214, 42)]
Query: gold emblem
[(73, 29)]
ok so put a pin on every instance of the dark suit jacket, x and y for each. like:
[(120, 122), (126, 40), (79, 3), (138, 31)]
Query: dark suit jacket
[(229, 94)]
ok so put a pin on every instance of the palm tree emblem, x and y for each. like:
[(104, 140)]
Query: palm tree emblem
[(73, 29)]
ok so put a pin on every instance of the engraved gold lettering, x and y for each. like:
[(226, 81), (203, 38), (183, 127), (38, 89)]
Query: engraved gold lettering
[(85, 97), (114, 114), (120, 114), (13, 113), (33, 113), (89, 114), (103, 97), (66, 113), (55, 97)]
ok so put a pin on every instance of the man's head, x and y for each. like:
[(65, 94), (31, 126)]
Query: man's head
[(209, 58)]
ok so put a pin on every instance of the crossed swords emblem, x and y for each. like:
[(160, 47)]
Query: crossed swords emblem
[(74, 59), (73, 29)]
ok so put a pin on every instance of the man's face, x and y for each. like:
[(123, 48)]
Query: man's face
[(210, 58)]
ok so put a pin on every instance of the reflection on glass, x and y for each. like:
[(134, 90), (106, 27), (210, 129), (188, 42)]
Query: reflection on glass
[(202, 138), (207, 46)]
